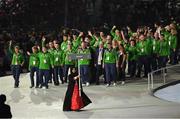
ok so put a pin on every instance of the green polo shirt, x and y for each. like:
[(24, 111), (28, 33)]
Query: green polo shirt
[(110, 56), (34, 60), (45, 61), (84, 61)]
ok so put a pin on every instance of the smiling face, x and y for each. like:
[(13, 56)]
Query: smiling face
[(56, 46), (44, 49), (34, 49), (132, 43), (16, 49), (69, 46), (83, 45)]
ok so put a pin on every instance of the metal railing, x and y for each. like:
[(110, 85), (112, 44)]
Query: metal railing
[(162, 76)]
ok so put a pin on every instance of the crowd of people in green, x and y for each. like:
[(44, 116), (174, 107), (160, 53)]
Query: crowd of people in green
[(114, 55)]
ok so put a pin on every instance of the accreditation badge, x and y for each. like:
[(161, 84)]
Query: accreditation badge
[(57, 59), (169, 42), (154, 47), (142, 49), (45, 61), (34, 62), (108, 58)]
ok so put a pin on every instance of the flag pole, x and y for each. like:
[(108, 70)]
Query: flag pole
[(79, 80)]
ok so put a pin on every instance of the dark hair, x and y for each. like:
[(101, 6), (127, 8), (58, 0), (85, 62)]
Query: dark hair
[(2, 98)]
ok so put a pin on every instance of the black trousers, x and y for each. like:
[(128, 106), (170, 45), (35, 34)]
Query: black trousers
[(173, 57), (44, 75), (132, 67), (162, 61), (99, 72), (34, 70), (58, 72), (16, 70), (143, 61)]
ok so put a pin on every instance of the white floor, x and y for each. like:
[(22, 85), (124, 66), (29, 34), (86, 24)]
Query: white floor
[(171, 93), (129, 101)]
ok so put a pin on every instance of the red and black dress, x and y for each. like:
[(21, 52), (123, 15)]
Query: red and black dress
[(73, 100)]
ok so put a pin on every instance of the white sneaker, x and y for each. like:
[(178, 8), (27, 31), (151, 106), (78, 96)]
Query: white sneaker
[(123, 82), (114, 84), (83, 84), (107, 85), (87, 84)]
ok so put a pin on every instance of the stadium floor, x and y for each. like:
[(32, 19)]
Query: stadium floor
[(129, 101)]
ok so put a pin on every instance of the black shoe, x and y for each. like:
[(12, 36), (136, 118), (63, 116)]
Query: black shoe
[(138, 76), (46, 87), (40, 86), (31, 86), (37, 87), (97, 83), (145, 76), (50, 81), (15, 86), (56, 84)]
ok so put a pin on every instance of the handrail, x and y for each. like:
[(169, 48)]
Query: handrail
[(151, 79)]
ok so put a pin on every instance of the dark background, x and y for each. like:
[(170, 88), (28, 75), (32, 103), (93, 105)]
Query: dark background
[(82, 14)]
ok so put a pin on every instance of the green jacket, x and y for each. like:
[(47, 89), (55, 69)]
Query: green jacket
[(110, 56), (17, 59), (173, 41), (33, 60), (64, 45), (96, 44), (84, 61), (132, 53), (164, 49), (115, 37), (155, 46), (76, 43), (143, 48), (149, 45), (166, 35), (57, 57), (45, 61), (65, 57)]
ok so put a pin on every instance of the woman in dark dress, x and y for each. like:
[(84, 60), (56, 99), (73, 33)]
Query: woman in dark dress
[(73, 100), (121, 63)]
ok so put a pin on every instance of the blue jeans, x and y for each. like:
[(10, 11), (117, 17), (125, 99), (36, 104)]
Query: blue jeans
[(46, 74), (32, 71), (111, 72), (16, 70), (84, 73)]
